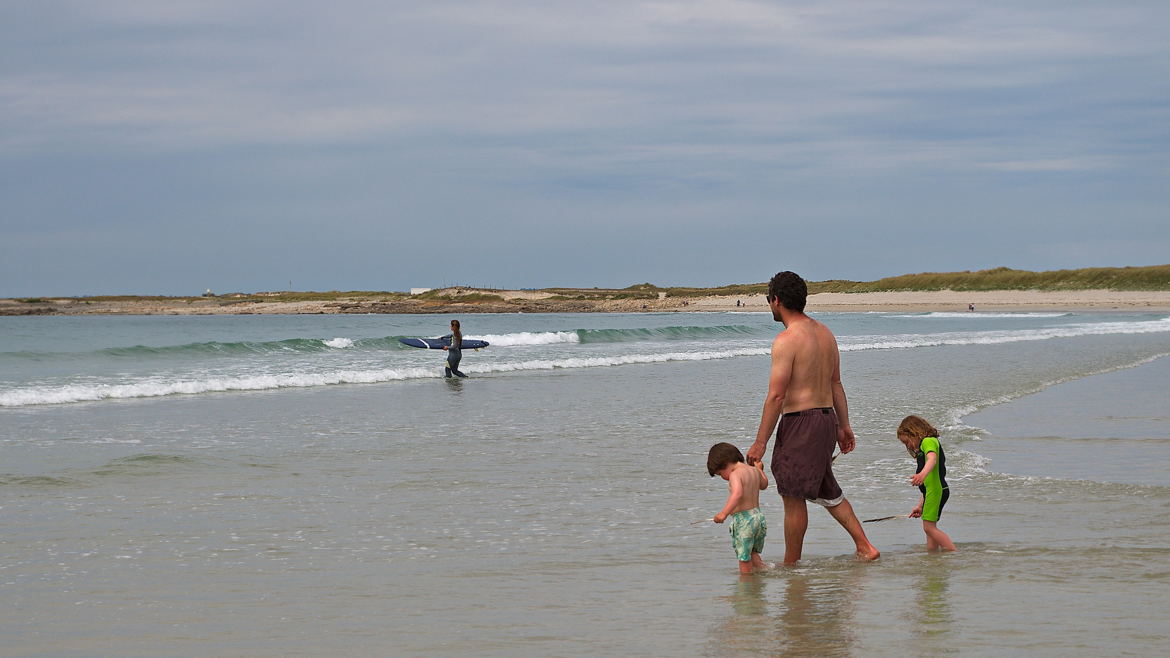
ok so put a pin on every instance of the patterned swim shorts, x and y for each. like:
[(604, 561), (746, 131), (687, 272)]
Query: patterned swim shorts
[(748, 529)]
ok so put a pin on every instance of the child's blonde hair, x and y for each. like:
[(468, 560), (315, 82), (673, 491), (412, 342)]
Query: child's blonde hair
[(915, 428)]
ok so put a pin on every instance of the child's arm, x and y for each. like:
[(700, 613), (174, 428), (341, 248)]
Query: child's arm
[(763, 475), (917, 511), (918, 478), (735, 491)]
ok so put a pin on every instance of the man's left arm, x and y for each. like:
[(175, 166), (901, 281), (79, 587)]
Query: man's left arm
[(845, 437)]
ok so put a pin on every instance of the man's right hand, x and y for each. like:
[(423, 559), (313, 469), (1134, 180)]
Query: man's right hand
[(756, 453)]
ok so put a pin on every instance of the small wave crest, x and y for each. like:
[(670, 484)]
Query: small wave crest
[(981, 315), (856, 343), (146, 464), (38, 481), (529, 338), (614, 335), (150, 389), (663, 333)]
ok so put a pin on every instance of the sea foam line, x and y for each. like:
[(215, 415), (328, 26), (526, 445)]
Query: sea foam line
[(529, 338), (856, 343), (980, 315), (955, 416), (150, 389)]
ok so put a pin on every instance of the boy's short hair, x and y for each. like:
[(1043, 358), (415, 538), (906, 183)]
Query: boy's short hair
[(720, 456), (789, 289)]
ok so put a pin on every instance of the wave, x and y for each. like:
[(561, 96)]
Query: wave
[(579, 336), (529, 338), (291, 345), (980, 315), (158, 387), (38, 395), (663, 333), (856, 343), (310, 345), (955, 418), (46, 395)]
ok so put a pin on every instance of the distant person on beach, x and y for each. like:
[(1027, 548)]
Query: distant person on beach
[(921, 441), (807, 399), (454, 351), (970, 307), (748, 527)]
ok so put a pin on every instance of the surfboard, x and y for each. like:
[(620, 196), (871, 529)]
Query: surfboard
[(440, 343)]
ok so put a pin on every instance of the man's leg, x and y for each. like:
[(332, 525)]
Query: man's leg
[(795, 525), (848, 520)]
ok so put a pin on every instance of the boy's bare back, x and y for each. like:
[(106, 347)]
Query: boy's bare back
[(749, 480)]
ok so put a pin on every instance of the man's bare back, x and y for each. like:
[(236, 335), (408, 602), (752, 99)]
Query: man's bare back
[(805, 374), (812, 350)]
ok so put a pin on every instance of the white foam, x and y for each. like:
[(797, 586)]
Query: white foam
[(150, 389), (340, 343), (529, 338), (625, 359), (855, 343), (980, 315)]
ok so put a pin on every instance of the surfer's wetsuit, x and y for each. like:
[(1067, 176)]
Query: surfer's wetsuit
[(934, 488), (454, 355)]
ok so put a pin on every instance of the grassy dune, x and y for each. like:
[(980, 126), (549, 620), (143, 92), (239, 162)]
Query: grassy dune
[(1155, 277), (1150, 278)]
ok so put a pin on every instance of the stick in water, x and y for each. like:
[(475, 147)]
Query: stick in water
[(702, 521), (887, 518)]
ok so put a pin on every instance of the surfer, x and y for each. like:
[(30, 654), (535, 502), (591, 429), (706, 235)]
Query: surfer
[(454, 351), (806, 397)]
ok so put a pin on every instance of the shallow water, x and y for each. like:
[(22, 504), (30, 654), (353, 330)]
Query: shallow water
[(543, 506)]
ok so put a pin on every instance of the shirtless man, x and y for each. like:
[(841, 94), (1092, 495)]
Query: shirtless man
[(805, 386)]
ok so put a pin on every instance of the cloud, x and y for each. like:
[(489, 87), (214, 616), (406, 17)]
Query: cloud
[(253, 114)]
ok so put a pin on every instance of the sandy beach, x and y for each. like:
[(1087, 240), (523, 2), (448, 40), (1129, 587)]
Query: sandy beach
[(527, 301)]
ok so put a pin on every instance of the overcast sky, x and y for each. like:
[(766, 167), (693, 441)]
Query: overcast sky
[(167, 146)]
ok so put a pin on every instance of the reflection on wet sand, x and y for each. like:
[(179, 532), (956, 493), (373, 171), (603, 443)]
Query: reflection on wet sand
[(933, 626), (812, 612)]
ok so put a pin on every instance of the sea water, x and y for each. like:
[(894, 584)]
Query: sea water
[(306, 485)]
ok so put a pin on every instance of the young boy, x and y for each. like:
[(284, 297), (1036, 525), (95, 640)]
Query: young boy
[(748, 527)]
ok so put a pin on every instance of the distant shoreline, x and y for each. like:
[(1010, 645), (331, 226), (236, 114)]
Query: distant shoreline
[(466, 300)]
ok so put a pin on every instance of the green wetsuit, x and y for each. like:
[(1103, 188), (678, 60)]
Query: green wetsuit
[(934, 488)]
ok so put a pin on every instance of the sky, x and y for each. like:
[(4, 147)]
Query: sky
[(173, 146)]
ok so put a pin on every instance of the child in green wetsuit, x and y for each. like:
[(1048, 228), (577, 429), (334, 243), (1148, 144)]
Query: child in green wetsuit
[(921, 441)]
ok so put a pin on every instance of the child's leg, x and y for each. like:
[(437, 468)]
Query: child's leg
[(745, 567), (757, 561), (936, 539)]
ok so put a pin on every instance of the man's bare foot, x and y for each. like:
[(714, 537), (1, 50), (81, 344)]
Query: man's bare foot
[(868, 554)]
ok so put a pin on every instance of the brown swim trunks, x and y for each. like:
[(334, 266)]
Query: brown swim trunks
[(802, 461)]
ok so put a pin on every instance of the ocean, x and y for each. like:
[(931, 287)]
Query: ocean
[(306, 485)]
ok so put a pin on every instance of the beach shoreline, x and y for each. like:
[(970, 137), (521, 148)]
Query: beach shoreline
[(523, 301)]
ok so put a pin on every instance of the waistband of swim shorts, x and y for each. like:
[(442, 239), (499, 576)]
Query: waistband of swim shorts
[(810, 412)]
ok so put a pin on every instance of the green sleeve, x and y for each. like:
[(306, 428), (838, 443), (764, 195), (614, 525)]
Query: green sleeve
[(929, 444)]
